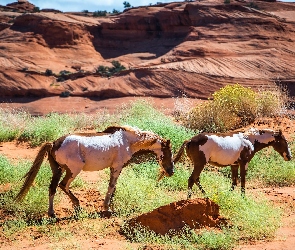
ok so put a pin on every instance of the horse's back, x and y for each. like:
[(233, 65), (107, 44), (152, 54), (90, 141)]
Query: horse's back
[(224, 150), (90, 153)]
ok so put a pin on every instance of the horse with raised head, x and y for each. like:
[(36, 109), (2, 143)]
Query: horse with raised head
[(113, 148), (232, 149)]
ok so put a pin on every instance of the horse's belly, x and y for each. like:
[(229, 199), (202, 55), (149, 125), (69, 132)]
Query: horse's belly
[(97, 160), (224, 159), (97, 163)]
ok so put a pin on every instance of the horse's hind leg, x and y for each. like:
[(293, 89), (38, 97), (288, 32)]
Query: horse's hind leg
[(115, 172), (57, 172), (65, 186)]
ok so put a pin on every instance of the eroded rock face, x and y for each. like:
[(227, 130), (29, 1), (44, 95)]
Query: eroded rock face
[(190, 48), (54, 33), (195, 213)]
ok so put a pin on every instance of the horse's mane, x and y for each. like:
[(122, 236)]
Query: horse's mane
[(113, 129), (256, 131), (144, 134)]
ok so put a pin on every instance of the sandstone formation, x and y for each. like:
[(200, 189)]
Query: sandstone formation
[(191, 48)]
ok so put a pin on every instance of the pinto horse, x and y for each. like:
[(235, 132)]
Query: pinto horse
[(234, 149), (113, 148)]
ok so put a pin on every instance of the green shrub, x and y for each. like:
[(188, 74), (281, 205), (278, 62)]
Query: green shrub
[(100, 13), (65, 93), (48, 72), (64, 72), (109, 71), (36, 9)]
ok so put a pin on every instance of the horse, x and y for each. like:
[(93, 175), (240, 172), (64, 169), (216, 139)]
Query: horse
[(234, 149), (114, 148)]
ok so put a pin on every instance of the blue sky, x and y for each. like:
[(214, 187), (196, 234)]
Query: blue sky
[(90, 5)]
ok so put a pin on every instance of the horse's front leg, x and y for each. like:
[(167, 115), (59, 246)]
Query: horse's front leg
[(243, 170), (195, 178), (115, 172), (234, 175)]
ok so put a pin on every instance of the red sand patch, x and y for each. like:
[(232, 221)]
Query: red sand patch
[(195, 213)]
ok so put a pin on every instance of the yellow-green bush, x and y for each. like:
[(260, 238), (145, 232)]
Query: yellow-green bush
[(234, 106), (271, 102)]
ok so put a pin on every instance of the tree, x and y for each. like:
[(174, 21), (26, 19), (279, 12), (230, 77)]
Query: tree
[(126, 5)]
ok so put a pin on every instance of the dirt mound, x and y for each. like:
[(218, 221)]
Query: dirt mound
[(195, 213)]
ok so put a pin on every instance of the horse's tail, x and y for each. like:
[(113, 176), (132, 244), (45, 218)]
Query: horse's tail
[(31, 175), (180, 151)]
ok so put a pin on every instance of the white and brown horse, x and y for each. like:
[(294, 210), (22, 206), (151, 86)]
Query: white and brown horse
[(234, 149), (113, 148)]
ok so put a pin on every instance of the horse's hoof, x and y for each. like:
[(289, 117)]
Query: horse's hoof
[(51, 215), (106, 214)]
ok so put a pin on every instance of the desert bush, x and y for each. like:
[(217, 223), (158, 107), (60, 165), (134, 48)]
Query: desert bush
[(100, 13), (234, 106), (64, 72), (109, 71), (272, 102), (65, 93), (36, 9), (48, 72)]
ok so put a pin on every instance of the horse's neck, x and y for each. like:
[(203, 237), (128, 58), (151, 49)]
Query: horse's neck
[(145, 144), (258, 143)]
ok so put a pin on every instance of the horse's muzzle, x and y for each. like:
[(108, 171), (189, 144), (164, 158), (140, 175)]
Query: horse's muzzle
[(170, 172), (287, 157)]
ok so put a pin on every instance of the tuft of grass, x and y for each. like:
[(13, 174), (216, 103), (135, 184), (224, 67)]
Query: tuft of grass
[(36, 202), (12, 122), (137, 190), (19, 125), (143, 115), (269, 169), (186, 239)]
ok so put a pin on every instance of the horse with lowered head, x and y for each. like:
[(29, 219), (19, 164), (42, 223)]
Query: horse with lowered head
[(113, 148), (232, 149)]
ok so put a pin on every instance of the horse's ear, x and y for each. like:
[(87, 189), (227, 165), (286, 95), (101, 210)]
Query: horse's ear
[(153, 142), (168, 142), (278, 132)]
